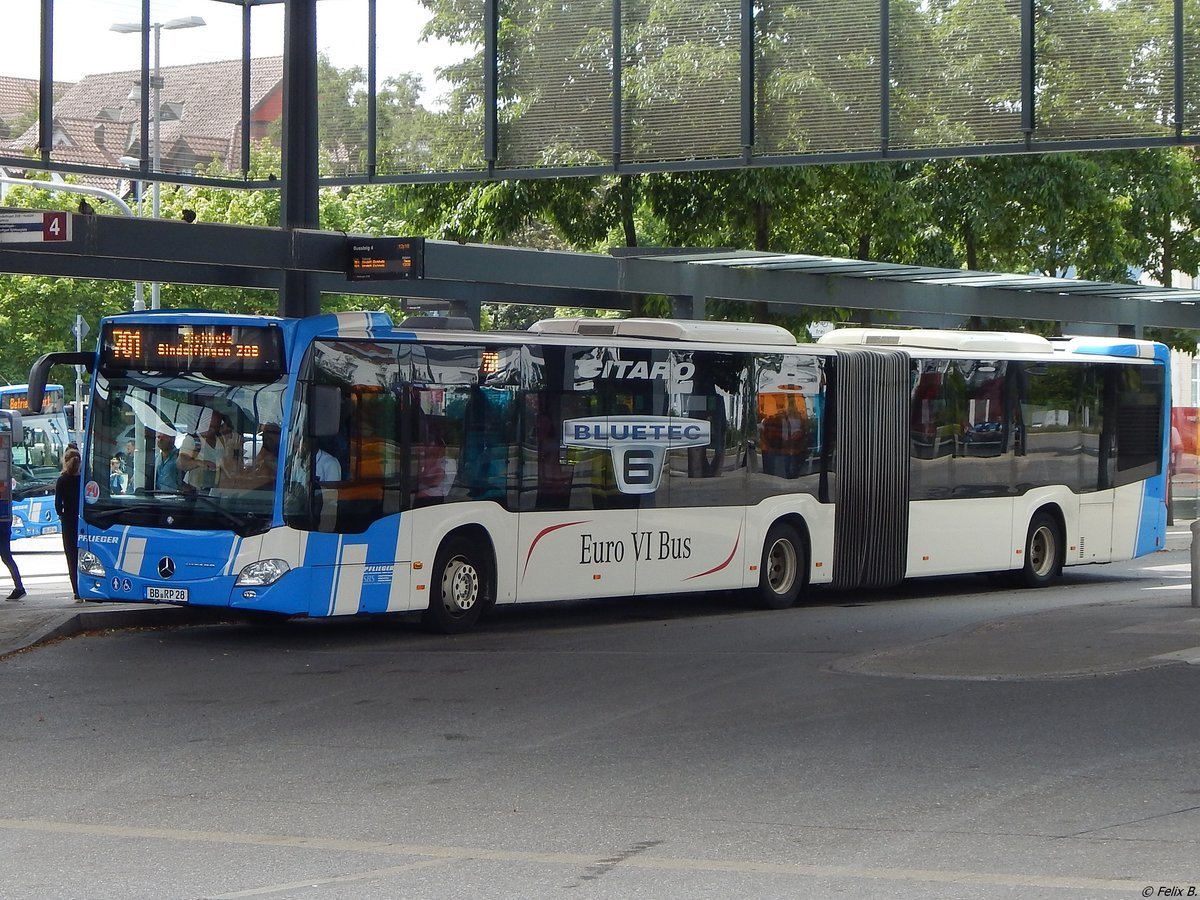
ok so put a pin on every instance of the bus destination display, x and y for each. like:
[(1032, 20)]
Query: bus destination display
[(17, 398), (239, 350)]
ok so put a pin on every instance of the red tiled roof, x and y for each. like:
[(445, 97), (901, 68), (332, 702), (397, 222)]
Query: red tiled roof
[(210, 94), (19, 96)]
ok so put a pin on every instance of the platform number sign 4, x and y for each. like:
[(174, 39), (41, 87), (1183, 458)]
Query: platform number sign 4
[(34, 226), (54, 226)]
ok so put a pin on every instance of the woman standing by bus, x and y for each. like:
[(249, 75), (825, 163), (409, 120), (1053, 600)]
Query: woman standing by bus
[(66, 504)]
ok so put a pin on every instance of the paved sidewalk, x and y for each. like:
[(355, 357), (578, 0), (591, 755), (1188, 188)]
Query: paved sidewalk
[(1080, 640), (45, 615)]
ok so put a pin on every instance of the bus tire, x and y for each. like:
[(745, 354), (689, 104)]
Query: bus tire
[(781, 571), (459, 589), (1043, 551)]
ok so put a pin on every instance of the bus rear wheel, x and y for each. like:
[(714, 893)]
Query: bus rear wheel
[(1043, 551), (459, 590), (781, 572)]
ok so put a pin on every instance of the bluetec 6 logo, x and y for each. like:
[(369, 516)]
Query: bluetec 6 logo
[(637, 444)]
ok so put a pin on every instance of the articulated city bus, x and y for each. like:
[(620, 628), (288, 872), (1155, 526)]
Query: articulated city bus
[(36, 459), (343, 465)]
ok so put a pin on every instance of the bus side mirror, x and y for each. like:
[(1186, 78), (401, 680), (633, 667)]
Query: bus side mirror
[(14, 426), (39, 372), (324, 410)]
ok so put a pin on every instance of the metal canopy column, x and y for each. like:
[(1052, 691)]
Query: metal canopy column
[(46, 91), (300, 209)]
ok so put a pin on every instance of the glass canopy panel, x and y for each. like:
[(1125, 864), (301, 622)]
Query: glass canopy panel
[(955, 73), (1104, 70), (1191, 68), (194, 101), (680, 80), (817, 89), (19, 74), (555, 73), (96, 110), (343, 42)]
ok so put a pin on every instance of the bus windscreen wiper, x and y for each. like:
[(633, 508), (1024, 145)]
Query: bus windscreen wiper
[(243, 525)]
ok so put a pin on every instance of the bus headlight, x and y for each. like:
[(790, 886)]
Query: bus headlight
[(263, 572), (17, 522), (89, 564)]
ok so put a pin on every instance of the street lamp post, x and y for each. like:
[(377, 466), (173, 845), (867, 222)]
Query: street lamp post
[(139, 290), (156, 102)]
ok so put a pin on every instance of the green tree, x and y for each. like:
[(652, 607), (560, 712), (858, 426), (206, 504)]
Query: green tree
[(403, 126), (38, 312), (1160, 193)]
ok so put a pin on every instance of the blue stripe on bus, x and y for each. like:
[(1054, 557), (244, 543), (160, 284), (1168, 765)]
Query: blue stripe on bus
[(323, 551), (1152, 521), (1131, 351)]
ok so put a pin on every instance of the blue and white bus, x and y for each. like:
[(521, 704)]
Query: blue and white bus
[(36, 459), (343, 465)]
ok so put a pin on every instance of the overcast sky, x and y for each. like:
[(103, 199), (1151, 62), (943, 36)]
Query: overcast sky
[(84, 43)]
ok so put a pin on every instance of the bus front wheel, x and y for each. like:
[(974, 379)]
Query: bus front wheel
[(458, 591), (1043, 551), (781, 572)]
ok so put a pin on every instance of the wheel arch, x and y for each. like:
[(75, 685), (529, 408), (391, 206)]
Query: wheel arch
[(1055, 511), (481, 538), (1038, 570), (800, 524)]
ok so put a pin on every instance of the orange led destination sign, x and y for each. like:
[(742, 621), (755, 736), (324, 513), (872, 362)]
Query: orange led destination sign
[(127, 342), (52, 401), (239, 350)]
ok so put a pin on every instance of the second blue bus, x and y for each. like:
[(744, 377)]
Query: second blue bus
[(36, 459)]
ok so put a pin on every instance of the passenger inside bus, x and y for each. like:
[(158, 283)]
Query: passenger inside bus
[(116, 476), (360, 496), (553, 472), (266, 461), (434, 472), (166, 470), (326, 468), (259, 475), (485, 449), (211, 453)]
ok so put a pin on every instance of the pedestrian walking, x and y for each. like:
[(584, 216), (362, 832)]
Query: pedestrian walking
[(66, 504), (7, 558)]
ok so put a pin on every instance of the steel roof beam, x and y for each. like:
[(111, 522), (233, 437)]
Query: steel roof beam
[(120, 248), (787, 289)]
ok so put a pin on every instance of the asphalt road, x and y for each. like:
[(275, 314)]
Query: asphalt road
[(951, 739)]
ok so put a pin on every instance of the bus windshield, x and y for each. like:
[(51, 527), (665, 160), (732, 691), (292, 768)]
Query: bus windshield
[(37, 459), (183, 451)]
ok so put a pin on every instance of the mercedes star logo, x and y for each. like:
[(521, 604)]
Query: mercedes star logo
[(166, 567)]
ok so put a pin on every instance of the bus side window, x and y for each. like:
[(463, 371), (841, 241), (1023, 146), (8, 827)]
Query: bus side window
[(360, 496), (433, 470), (553, 469), (485, 449)]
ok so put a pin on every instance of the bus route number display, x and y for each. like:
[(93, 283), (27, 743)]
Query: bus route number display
[(382, 259), (245, 350)]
